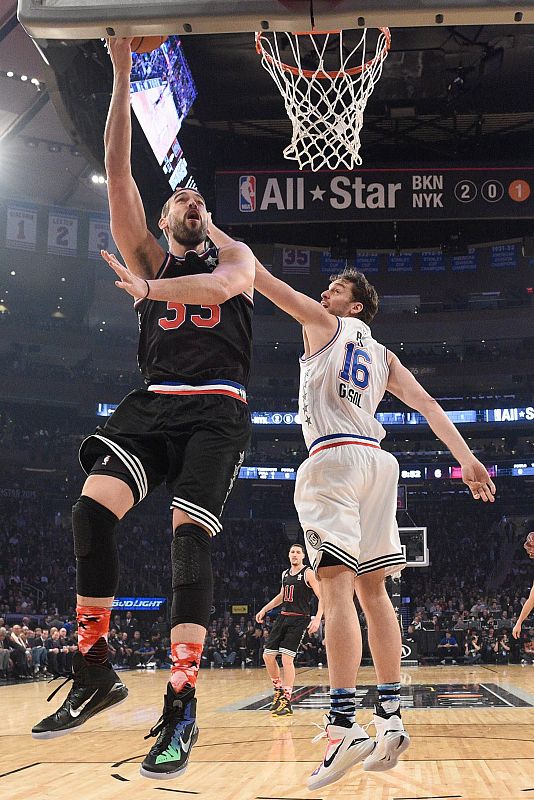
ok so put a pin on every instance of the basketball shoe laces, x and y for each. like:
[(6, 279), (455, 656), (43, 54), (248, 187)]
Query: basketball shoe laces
[(76, 685), (168, 722), (324, 733)]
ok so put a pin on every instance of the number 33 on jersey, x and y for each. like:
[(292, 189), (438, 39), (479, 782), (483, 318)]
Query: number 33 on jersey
[(174, 339)]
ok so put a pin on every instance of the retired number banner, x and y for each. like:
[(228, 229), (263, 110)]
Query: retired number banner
[(21, 226), (62, 232)]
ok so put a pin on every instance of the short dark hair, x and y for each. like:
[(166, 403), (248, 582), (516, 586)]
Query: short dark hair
[(301, 546), (362, 292), (165, 209)]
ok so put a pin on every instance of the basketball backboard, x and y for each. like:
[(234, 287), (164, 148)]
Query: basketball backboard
[(413, 541), (95, 19)]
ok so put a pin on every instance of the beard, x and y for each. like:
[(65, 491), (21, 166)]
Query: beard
[(184, 234)]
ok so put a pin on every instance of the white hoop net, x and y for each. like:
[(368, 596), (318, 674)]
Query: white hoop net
[(326, 102)]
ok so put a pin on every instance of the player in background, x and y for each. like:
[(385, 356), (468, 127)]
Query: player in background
[(346, 498), (298, 586), (188, 428), (529, 602)]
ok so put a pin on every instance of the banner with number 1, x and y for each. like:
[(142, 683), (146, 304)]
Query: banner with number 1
[(21, 228)]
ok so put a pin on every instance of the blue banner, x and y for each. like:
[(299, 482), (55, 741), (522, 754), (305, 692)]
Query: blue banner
[(138, 603)]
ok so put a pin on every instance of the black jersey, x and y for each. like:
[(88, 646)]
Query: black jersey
[(194, 344), (297, 594)]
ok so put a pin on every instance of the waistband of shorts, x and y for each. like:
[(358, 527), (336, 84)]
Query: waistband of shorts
[(293, 614), (341, 440), (227, 388)]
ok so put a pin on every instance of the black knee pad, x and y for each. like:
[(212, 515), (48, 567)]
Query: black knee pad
[(192, 576), (95, 548)]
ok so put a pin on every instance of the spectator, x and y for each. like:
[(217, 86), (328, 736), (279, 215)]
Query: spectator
[(39, 652), (222, 655), (161, 649), (448, 648), (135, 645), (56, 655), (502, 649), (20, 653), (116, 651), (4, 655), (472, 648), (489, 641), (129, 624), (527, 652), (146, 653)]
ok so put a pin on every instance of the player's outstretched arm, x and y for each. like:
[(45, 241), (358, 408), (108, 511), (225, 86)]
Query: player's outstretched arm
[(525, 611), (403, 385), (298, 305), (137, 245), (233, 276), (276, 601)]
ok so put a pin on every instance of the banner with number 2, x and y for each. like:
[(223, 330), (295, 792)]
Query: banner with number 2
[(62, 232)]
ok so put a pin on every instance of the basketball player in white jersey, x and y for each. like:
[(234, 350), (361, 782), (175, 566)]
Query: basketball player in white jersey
[(529, 602), (346, 497)]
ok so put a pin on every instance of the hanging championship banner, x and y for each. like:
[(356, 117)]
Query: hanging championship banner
[(99, 236), (334, 265), (62, 232), (410, 193), (21, 227)]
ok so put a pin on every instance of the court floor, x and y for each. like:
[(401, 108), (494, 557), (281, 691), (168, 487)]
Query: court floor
[(472, 732)]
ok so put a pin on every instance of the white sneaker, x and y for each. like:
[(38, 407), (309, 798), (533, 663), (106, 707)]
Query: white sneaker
[(346, 746), (391, 740)]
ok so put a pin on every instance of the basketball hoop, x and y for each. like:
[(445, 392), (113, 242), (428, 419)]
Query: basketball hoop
[(325, 89)]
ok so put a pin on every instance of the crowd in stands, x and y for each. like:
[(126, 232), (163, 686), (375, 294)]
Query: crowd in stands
[(477, 582), (53, 442)]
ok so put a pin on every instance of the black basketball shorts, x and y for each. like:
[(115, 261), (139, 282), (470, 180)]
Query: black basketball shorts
[(193, 443), (286, 635)]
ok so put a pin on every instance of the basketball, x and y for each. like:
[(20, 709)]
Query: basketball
[(145, 44)]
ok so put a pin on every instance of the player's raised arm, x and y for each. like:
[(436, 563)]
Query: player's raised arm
[(403, 385), (137, 245)]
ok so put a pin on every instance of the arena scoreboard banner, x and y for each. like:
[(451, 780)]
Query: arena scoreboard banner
[(414, 193)]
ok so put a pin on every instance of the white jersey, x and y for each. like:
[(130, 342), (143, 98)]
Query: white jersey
[(340, 388)]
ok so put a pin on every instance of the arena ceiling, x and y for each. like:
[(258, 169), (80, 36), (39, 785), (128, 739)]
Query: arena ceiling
[(446, 94)]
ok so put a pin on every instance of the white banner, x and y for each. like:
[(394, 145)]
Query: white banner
[(296, 261), (62, 232), (99, 237), (21, 228)]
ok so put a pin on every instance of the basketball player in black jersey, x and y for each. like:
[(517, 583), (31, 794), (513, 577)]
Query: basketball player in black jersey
[(298, 585), (188, 428), (528, 605)]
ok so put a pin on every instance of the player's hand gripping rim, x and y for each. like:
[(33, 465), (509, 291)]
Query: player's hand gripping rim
[(137, 287), (476, 477)]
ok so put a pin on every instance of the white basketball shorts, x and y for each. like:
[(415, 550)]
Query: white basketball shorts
[(346, 499)]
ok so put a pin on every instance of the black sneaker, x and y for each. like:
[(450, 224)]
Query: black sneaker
[(178, 732), (283, 709), (94, 688), (278, 694)]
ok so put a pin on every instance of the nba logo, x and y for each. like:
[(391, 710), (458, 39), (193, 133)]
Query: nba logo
[(247, 193)]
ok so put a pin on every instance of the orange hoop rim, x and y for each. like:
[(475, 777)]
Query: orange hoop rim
[(310, 73)]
